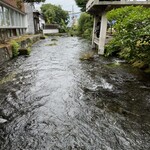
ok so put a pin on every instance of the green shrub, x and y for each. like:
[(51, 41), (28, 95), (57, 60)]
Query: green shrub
[(113, 47), (85, 25), (73, 31), (15, 48), (132, 33), (88, 34), (28, 50), (63, 27)]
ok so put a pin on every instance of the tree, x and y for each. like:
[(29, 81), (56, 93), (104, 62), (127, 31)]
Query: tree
[(132, 36), (85, 21), (54, 14), (82, 4), (85, 25)]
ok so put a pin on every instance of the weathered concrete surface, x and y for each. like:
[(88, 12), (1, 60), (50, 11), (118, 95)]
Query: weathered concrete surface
[(5, 53)]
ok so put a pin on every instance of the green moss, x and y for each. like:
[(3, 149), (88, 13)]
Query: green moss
[(15, 48), (147, 71), (87, 56), (30, 40), (7, 79), (28, 50), (42, 37), (54, 39)]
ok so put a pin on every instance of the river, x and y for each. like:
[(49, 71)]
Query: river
[(52, 100)]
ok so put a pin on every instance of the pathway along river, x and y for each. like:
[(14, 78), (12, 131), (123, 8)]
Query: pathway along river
[(54, 101)]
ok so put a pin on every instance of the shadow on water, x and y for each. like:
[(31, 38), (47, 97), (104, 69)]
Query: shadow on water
[(54, 101)]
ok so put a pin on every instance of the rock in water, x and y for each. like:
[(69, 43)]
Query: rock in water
[(2, 120)]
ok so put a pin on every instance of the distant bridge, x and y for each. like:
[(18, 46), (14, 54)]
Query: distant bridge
[(99, 8)]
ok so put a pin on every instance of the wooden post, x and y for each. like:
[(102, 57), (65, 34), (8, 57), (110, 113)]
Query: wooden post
[(102, 36)]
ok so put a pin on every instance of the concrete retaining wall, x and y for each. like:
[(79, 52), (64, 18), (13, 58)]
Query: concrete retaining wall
[(5, 54), (6, 51)]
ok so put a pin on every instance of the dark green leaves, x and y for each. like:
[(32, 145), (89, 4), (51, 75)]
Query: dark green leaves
[(82, 4), (132, 29), (54, 14)]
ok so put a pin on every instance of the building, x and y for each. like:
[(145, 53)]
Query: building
[(29, 7), (17, 18), (39, 22), (12, 19), (35, 20), (51, 29), (99, 8)]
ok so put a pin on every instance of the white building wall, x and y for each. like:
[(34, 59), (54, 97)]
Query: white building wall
[(50, 31), (29, 18), (42, 22)]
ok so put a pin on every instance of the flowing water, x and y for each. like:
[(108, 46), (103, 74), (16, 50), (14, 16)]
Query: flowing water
[(54, 101)]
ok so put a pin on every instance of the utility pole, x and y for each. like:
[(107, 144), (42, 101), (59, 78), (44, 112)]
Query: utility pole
[(72, 10), (72, 17)]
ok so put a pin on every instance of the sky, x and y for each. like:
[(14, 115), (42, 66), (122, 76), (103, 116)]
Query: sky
[(68, 5)]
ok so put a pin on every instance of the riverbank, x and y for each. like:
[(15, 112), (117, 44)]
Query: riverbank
[(53, 100), (23, 42)]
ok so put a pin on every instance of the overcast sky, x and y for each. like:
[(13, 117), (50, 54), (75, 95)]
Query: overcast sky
[(65, 4)]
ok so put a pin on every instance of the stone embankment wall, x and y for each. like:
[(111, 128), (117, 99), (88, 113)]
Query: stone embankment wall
[(5, 53), (6, 50)]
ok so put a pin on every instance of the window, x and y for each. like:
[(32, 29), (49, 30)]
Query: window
[(17, 19), (12, 16), (20, 24), (6, 14), (12, 21), (1, 16), (23, 20)]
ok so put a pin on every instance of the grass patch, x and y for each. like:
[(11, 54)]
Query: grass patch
[(22, 38)]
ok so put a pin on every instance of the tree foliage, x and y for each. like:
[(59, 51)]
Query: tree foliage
[(82, 4), (132, 36), (85, 25), (54, 14), (33, 1)]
